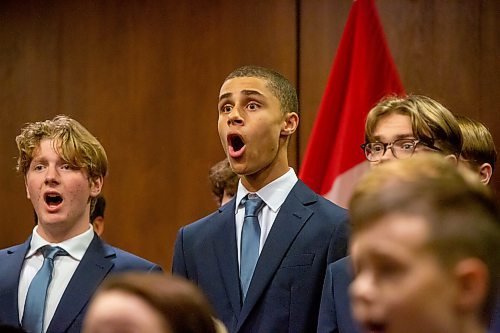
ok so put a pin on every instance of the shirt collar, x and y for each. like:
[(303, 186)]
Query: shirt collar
[(274, 193), (75, 246)]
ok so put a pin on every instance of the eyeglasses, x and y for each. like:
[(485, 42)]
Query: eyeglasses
[(401, 149)]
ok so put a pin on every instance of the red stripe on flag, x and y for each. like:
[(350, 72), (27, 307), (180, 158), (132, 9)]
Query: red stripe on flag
[(362, 73)]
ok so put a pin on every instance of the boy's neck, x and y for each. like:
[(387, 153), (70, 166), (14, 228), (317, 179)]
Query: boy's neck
[(60, 233), (255, 182)]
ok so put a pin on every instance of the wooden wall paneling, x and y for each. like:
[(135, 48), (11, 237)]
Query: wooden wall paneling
[(322, 24), (29, 80), (144, 78), (436, 45), (489, 85)]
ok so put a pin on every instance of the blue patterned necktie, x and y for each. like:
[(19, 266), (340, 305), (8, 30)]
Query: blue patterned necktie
[(250, 240), (34, 307)]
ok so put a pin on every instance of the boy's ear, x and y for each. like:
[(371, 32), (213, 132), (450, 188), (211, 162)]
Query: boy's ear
[(95, 186), (26, 186), (472, 281), (452, 158), (98, 225), (290, 124), (485, 172)]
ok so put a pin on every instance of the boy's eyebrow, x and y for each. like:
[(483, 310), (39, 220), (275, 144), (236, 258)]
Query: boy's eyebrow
[(397, 137), (246, 92), (251, 92), (226, 95)]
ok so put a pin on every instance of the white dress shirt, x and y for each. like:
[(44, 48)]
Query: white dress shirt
[(64, 268), (273, 195)]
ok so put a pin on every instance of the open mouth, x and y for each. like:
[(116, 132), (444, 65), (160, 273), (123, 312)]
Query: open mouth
[(236, 145), (53, 199), (236, 142)]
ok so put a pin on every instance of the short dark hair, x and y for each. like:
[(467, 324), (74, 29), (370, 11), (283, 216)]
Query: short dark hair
[(279, 85), (99, 207)]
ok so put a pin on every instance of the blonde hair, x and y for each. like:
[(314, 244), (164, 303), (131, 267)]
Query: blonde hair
[(73, 142), (431, 122)]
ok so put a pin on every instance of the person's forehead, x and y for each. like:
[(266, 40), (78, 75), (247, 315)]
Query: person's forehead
[(45, 144), (393, 125), (396, 230), (239, 84)]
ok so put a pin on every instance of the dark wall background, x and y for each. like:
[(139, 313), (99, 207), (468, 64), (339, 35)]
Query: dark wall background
[(144, 76)]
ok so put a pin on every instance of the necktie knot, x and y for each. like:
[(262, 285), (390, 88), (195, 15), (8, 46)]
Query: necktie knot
[(50, 252), (253, 205)]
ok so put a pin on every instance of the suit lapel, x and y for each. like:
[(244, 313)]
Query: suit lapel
[(95, 265), (9, 309), (226, 254), (291, 218)]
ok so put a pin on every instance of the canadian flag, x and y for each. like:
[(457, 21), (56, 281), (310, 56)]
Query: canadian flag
[(363, 72)]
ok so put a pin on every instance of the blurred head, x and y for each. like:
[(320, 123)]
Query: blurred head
[(149, 303), (478, 149), (398, 127), (424, 247), (224, 182)]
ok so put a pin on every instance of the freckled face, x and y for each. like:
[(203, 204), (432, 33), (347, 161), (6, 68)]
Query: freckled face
[(59, 193), (250, 127), (400, 286)]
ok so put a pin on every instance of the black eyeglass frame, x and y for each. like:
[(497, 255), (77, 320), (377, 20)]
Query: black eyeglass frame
[(390, 145)]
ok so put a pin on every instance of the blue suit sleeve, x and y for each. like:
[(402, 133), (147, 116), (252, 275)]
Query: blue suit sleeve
[(327, 320), (495, 320), (339, 241), (178, 262)]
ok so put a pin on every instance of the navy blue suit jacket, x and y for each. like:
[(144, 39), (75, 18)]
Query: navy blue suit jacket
[(309, 232), (99, 261), (335, 310)]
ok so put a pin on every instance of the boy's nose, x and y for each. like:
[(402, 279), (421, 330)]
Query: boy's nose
[(52, 175), (361, 289), (234, 117), (388, 155)]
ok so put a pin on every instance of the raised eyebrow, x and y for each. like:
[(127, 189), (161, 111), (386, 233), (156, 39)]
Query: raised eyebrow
[(251, 93), (224, 96)]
